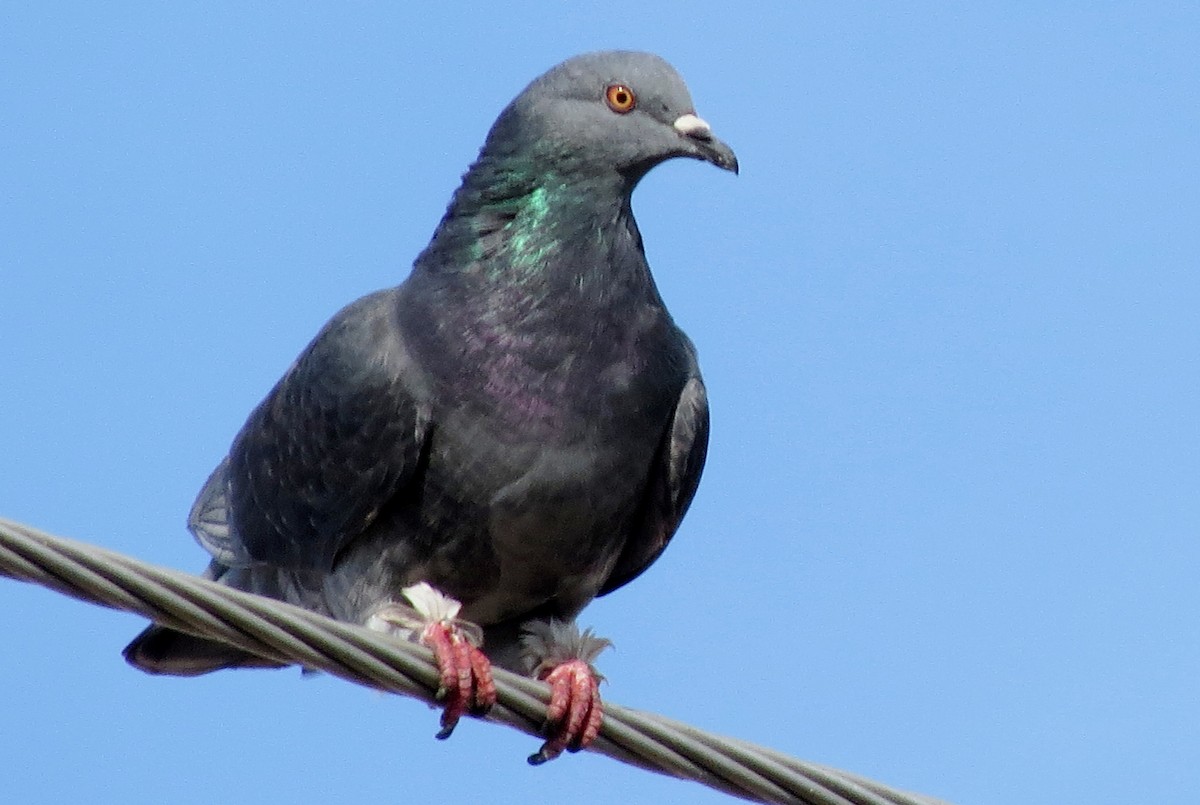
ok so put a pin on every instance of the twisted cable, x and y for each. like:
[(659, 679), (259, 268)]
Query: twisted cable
[(291, 635)]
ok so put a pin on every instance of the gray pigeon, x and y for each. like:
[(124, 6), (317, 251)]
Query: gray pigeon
[(471, 457)]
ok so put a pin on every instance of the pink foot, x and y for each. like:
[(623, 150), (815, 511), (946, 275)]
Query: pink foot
[(575, 713), (466, 686)]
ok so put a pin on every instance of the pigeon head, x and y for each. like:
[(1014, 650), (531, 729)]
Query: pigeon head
[(613, 113), (559, 166)]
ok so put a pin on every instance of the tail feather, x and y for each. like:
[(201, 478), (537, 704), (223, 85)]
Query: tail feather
[(161, 650)]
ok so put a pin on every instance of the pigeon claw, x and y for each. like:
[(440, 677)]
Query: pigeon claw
[(574, 714), (466, 686)]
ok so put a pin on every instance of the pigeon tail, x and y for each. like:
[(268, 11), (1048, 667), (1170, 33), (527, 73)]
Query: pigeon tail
[(168, 652)]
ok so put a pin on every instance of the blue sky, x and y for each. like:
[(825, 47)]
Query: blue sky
[(947, 537)]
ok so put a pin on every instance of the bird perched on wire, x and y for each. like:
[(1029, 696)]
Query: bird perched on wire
[(471, 457)]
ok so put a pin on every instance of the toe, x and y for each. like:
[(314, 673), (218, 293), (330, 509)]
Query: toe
[(586, 726), (484, 685)]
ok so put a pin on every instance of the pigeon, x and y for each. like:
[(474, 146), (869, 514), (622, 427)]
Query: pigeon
[(468, 459)]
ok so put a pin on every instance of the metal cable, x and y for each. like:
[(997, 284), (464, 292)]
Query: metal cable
[(292, 635)]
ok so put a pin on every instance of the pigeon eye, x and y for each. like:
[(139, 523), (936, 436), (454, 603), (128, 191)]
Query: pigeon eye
[(620, 98)]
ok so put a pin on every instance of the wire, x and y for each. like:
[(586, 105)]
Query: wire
[(291, 635)]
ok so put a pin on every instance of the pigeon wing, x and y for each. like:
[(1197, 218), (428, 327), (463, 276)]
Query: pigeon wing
[(334, 443), (673, 481)]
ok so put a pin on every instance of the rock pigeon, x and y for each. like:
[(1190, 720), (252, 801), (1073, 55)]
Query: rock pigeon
[(471, 457)]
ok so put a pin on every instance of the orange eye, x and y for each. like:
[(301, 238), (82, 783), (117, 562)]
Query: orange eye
[(620, 98)]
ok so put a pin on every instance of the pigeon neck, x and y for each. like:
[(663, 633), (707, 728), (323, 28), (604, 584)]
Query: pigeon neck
[(517, 228)]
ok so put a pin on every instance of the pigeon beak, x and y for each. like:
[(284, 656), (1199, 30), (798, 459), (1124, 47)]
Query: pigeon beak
[(703, 144)]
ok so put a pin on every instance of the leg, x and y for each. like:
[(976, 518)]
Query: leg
[(558, 653), (466, 675)]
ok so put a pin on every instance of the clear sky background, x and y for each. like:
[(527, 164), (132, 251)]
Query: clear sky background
[(947, 537)]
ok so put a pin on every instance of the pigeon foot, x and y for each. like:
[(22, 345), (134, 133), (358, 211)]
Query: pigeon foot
[(465, 686), (575, 713), (559, 653)]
